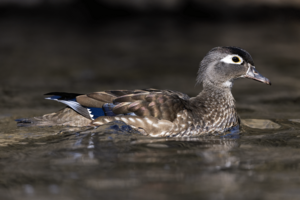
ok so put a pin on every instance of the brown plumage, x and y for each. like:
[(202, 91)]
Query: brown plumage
[(164, 112)]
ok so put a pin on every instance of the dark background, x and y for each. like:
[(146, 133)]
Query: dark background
[(92, 45)]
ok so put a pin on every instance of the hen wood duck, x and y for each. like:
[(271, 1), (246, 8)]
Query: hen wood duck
[(161, 113)]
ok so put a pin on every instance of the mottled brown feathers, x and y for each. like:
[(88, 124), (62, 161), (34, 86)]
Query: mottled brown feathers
[(105, 97), (162, 104), (89, 102)]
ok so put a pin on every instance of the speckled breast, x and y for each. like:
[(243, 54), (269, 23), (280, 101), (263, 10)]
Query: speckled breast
[(216, 121)]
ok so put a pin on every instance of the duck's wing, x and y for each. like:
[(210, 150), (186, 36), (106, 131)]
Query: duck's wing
[(91, 105), (161, 104), (152, 112)]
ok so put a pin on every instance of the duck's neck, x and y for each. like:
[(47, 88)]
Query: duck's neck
[(215, 96), (214, 109)]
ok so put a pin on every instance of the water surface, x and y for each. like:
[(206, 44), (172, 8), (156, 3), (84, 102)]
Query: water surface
[(114, 163)]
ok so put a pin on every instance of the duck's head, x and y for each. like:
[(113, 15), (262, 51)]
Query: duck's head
[(222, 65)]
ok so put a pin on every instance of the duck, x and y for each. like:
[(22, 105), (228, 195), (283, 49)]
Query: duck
[(163, 113)]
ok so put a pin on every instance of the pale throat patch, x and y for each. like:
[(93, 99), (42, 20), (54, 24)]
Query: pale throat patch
[(227, 84)]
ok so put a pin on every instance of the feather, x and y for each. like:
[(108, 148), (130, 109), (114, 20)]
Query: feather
[(121, 108), (87, 101), (102, 96), (131, 97), (62, 95), (77, 107), (135, 106)]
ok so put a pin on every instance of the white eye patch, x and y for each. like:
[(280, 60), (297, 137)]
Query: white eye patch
[(233, 59)]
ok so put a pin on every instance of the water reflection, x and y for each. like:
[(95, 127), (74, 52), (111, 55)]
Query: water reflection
[(115, 162)]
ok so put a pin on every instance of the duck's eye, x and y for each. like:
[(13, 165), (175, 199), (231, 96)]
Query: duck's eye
[(232, 59), (235, 59)]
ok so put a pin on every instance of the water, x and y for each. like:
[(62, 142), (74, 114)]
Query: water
[(115, 162)]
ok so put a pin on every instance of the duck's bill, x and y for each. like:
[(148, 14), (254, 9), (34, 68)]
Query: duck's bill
[(253, 74)]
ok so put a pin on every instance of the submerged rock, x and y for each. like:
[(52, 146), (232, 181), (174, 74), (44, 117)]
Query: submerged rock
[(295, 120), (260, 123)]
